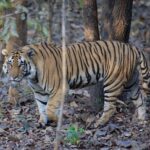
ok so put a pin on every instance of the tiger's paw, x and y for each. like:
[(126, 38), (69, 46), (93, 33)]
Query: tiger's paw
[(52, 117), (142, 123), (140, 116), (43, 125), (139, 121), (100, 122), (42, 121), (51, 123), (49, 120), (104, 118)]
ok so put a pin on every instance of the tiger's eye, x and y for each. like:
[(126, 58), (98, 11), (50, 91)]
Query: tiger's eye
[(22, 62), (9, 62)]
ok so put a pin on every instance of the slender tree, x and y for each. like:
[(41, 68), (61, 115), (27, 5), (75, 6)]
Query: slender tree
[(1, 57), (116, 19), (91, 33), (51, 11), (21, 24)]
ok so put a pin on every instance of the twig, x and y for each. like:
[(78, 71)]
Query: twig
[(64, 76), (11, 14)]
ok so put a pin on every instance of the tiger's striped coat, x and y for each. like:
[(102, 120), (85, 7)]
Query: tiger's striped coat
[(119, 66)]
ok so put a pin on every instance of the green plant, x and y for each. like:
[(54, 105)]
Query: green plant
[(81, 3), (9, 29), (73, 134), (38, 26), (4, 4), (8, 22), (36, 20)]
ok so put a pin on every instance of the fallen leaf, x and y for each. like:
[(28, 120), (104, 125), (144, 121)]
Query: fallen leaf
[(2, 131), (13, 138), (73, 104), (124, 143)]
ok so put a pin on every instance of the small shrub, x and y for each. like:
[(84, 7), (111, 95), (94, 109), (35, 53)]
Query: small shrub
[(73, 134)]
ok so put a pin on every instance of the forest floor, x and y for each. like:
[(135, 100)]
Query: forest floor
[(19, 129), (18, 124)]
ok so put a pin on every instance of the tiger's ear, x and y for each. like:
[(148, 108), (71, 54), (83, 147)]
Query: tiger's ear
[(31, 52), (5, 52)]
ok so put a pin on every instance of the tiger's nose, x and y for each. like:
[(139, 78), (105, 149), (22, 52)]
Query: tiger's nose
[(14, 74)]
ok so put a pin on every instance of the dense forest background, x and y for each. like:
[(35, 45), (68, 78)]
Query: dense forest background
[(44, 20), (24, 22)]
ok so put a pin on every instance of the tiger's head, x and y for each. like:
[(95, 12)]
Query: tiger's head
[(19, 64)]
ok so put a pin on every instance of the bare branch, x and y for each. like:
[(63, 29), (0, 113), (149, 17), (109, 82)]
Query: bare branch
[(64, 76), (11, 14)]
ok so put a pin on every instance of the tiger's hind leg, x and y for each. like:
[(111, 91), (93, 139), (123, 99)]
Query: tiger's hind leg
[(108, 112), (139, 99), (111, 93)]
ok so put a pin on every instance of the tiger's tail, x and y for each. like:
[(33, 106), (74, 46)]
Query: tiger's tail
[(145, 73)]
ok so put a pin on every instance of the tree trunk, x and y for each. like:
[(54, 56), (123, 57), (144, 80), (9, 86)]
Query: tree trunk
[(116, 19), (91, 33), (13, 94), (21, 28), (1, 57), (51, 12)]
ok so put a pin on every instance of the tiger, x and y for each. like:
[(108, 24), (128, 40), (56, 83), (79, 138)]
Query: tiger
[(117, 65)]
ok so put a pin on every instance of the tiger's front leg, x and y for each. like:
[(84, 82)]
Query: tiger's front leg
[(53, 105), (41, 98), (41, 101)]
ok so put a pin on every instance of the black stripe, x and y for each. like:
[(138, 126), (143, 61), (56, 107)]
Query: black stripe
[(91, 58), (74, 50), (42, 44), (101, 49), (109, 52), (71, 63), (43, 94), (52, 51), (44, 103), (85, 53), (80, 55)]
